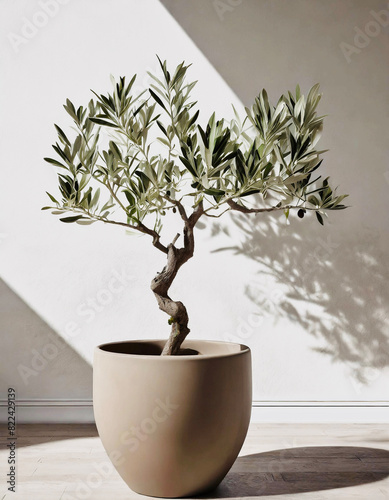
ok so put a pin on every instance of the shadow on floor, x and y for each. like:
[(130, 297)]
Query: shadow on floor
[(37, 434), (298, 470)]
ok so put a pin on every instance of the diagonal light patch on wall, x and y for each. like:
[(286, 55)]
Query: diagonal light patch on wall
[(60, 271)]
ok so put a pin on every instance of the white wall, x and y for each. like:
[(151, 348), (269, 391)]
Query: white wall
[(318, 321)]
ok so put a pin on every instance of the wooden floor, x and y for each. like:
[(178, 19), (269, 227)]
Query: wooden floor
[(283, 461)]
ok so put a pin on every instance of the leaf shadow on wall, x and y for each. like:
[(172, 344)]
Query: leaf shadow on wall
[(336, 290)]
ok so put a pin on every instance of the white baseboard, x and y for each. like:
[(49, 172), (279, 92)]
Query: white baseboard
[(81, 411), (50, 411), (320, 412)]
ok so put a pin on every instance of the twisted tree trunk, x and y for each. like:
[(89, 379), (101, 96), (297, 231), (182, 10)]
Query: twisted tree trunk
[(175, 309), (160, 285)]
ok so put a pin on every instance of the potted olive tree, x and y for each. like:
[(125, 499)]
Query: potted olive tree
[(172, 415)]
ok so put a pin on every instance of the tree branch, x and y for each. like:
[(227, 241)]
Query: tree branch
[(179, 205), (197, 213), (114, 196), (217, 216), (156, 237), (140, 227), (235, 206), (175, 239)]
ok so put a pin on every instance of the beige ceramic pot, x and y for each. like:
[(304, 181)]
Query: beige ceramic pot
[(172, 425)]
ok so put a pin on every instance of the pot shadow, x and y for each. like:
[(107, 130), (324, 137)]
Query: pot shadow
[(334, 285), (300, 470)]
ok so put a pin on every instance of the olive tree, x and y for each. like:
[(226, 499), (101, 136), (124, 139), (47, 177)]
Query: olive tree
[(144, 156)]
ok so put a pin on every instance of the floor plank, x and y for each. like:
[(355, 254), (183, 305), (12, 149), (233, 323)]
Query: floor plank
[(280, 461)]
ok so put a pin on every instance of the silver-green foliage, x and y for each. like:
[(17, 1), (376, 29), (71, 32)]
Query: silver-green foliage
[(144, 154)]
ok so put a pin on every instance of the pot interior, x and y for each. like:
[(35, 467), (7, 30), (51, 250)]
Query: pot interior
[(189, 348)]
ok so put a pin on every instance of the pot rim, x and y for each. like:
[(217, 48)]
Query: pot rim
[(244, 350)]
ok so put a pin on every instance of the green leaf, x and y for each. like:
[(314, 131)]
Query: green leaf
[(144, 179), (240, 167), (266, 170), (52, 198), (188, 166), (157, 99), (339, 207), (214, 192), (293, 145), (73, 218), (162, 128), (164, 141), (70, 109), (61, 135), (61, 152), (85, 222), (76, 145), (165, 71), (212, 134), (130, 198), (204, 136), (99, 121), (54, 162), (116, 151), (139, 108), (292, 179), (95, 198), (193, 119), (248, 193), (155, 79), (319, 218)]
